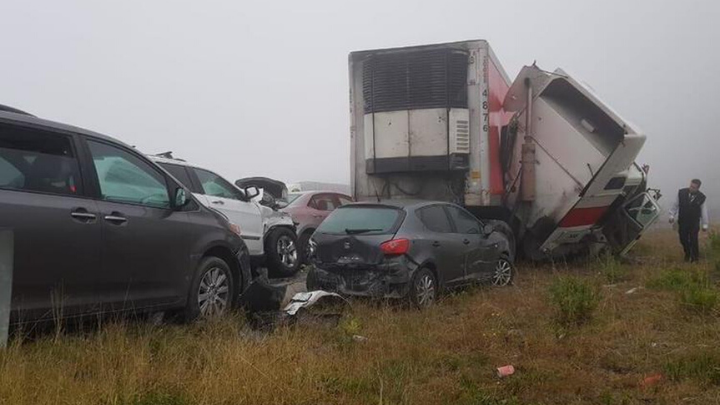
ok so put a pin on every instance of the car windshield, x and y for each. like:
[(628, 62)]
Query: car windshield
[(361, 220)]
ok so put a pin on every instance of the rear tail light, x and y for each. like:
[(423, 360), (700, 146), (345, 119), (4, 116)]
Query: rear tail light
[(395, 247)]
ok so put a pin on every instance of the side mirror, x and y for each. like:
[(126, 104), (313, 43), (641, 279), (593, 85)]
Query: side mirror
[(251, 192), (488, 229), (181, 198), (281, 204)]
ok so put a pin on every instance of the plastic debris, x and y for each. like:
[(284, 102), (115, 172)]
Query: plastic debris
[(651, 380), (505, 371), (306, 299), (359, 338), (632, 291)]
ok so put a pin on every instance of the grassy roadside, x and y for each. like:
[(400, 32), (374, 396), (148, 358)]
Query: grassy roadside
[(667, 326)]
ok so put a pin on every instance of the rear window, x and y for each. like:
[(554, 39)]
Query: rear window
[(37, 161), (362, 220)]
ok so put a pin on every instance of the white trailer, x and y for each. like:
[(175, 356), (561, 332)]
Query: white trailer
[(543, 152)]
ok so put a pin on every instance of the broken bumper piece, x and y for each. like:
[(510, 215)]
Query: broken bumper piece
[(307, 299), (390, 280)]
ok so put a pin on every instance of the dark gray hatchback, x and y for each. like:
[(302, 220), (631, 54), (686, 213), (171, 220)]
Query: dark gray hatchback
[(100, 228), (414, 249)]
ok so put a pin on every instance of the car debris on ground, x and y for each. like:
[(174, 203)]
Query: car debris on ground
[(505, 371), (307, 299), (263, 306), (651, 380)]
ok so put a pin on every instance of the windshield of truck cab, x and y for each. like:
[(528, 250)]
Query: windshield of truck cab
[(362, 220)]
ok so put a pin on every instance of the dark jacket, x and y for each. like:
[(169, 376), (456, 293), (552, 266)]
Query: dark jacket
[(690, 207)]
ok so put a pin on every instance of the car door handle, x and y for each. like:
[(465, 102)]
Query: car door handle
[(466, 242), (82, 215), (317, 216), (436, 244), (220, 202), (115, 218)]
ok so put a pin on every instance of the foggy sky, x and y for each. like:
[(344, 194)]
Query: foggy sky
[(260, 88)]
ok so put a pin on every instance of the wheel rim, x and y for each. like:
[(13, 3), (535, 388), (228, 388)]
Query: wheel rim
[(503, 273), (425, 289), (309, 249), (213, 293), (287, 251)]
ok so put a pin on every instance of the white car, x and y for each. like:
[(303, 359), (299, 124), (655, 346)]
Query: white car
[(269, 234)]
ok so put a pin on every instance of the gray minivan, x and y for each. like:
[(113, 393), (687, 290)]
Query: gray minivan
[(99, 228)]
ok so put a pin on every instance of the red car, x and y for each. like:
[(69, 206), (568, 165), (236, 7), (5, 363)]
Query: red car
[(309, 209)]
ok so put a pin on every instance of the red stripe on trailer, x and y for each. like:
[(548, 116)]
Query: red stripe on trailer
[(583, 216), (496, 183), (497, 89)]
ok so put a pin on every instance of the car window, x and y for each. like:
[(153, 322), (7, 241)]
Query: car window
[(215, 186), (362, 220), (344, 200), (36, 161), (324, 202), (435, 219), (464, 222), (179, 172), (125, 178)]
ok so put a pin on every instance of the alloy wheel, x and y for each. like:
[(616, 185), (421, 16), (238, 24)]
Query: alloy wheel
[(213, 293), (425, 290), (287, 251), (503, 273)]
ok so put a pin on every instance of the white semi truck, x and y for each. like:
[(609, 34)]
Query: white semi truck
[(542, 153)]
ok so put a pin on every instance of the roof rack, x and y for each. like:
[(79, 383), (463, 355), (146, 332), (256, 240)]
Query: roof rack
[(14, 110)]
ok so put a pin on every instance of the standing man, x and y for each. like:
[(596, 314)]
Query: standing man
[(689, 209)]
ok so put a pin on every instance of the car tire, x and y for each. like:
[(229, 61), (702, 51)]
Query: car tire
[(303, 245), (504, 272), (311, 281), (281, 252), (212, 292), (424, 289)]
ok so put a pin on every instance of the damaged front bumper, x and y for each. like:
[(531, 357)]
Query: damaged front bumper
[(391, 279)]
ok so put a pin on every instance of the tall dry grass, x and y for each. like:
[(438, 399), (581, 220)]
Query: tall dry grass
[(447, 354)]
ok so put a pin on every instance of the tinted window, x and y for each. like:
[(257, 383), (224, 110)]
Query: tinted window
[(361, 220), (179, 173), (37, 161), (344, 200), (324, 202), (435, 219), (125, 178), (215, 186), (464, 222)]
